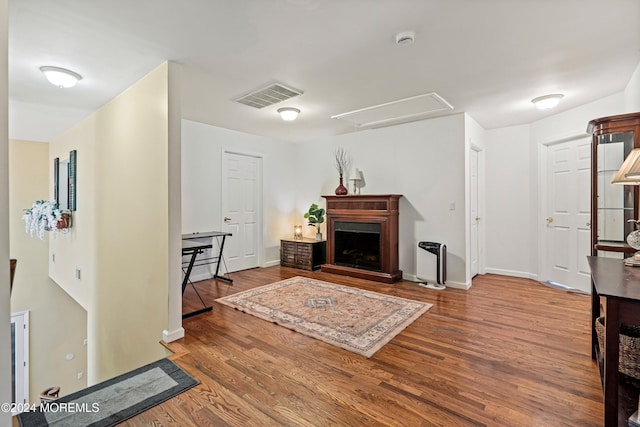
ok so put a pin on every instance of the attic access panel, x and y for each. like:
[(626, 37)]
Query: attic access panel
[(395, 111)]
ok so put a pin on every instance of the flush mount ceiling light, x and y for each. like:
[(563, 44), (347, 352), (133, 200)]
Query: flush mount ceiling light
[(288, 113), (548, 101), (60, 77), (406, 37)]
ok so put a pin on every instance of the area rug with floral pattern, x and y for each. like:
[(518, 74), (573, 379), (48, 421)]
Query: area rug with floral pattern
[(354, 319)]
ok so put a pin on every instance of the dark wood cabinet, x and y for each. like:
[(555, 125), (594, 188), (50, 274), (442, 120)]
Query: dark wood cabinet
[(613, 205), (306, 254), (615, 289)]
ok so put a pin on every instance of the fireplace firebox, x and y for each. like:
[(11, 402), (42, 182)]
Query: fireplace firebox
[(357, 244), (362, 236)]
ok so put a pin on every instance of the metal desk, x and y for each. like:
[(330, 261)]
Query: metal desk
[(221, 237), (193, 248)]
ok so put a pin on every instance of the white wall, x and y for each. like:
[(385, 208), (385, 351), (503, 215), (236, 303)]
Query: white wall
[(513, 189), (424, 161), (202, 148), (513, 185), (510, 208), (632, 92), (5, 331)]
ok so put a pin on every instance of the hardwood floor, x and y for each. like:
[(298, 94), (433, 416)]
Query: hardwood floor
[(507, 352)]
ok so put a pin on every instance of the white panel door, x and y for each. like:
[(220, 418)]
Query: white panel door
[(473, 214), (241, 183), (568, 222)]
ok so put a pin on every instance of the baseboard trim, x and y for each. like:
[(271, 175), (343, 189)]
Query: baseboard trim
[(448, 284), (169, 336), (514, 273), (271, 263)]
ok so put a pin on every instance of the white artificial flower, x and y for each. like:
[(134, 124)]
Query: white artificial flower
[(43, 215)]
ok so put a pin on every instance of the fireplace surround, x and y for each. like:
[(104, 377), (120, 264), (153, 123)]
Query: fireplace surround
[(362, 236)]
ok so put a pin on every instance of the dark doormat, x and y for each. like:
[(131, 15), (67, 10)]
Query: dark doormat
[(115, 400)]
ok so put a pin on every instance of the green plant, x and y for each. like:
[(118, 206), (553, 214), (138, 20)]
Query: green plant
[(315, 216)]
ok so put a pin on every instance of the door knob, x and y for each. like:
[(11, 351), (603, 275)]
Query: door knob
[(477, 218), (227, 219), (550, 219)]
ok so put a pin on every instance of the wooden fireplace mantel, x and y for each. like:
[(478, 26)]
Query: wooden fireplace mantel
[(380, 209)]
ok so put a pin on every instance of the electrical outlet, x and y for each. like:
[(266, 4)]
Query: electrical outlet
[(78, 274), (452, 206), (80, 375)]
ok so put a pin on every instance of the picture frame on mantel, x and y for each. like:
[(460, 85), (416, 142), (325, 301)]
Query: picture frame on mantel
[(64, 181)]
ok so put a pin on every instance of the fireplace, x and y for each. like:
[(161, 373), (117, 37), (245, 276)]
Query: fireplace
[(357, 244), (362, 237)]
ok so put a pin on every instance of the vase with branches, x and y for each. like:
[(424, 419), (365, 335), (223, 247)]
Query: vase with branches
[(343, 162)]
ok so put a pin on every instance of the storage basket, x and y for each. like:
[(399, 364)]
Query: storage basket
[(629, 357)]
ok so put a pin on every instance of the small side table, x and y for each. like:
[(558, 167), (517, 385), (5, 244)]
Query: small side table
[(306, 254)]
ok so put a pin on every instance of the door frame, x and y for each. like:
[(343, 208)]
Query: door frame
[(260, 201), (481, 227), (543, 196), (23, 335)]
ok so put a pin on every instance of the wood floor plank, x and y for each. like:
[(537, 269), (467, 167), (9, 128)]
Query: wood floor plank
[(507, 352)]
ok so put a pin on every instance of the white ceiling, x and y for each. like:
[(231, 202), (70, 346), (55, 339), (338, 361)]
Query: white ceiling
[(488, 58)]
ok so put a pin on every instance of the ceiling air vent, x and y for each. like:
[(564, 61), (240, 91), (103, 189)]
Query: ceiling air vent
[(413, 108), (269, 95)]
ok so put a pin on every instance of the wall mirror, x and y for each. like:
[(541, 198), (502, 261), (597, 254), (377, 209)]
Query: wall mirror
[(64, 181)]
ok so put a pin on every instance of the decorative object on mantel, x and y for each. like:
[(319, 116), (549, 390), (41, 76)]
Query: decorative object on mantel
[(633, 239), (297, 232), (315, 217), (343, 161), (45, 216), (358, 181)]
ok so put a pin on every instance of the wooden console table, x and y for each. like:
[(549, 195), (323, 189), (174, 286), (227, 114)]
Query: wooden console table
[(620, 287)]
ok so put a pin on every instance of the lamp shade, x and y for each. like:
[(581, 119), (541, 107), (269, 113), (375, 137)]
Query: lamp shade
[(288, 113), (61, 77), (629, 172)]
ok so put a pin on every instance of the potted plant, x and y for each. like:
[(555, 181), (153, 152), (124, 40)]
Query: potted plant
[(45, 216), (315, 216)]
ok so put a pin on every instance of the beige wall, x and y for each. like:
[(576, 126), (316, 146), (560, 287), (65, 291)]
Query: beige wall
[(5, 335), (57, 324), (120, 239)]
